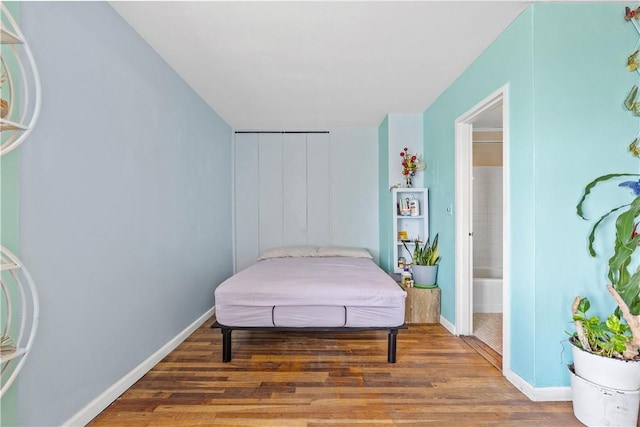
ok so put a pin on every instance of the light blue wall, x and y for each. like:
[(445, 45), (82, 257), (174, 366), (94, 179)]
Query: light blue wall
[(385, 224), (125, 195), (564, 67)]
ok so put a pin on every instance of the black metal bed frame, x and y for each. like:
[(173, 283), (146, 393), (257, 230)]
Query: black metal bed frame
[(226, 335)]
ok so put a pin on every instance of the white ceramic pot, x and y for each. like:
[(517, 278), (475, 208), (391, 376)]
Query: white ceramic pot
[(595, 405), (605, 371)]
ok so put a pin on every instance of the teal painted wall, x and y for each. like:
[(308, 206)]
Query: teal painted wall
[(581, 131), (385, 216), (507, 61), (564, 67)]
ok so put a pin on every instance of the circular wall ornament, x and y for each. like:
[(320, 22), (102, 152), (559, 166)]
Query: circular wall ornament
[(19, 86)]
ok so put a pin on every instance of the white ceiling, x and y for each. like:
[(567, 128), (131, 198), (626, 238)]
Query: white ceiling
[(318, 65)]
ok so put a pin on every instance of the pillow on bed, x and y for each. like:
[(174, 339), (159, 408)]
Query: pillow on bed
[(343, 251), (290, 251)]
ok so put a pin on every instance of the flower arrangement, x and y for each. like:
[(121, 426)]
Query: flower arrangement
[(411, 163)]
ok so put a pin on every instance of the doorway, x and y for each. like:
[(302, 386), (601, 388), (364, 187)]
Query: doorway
[(481, 223)]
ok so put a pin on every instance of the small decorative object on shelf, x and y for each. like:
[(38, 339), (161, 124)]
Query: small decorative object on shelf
[(401, 263), (411, 163), (405, 210), (407, 280), (414, 207)]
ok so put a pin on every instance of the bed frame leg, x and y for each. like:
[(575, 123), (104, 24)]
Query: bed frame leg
[(226, 344), (391, 352)]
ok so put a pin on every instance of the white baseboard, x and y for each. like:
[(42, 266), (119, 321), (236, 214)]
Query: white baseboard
[(97, 405), (448, 325), (538, 394)]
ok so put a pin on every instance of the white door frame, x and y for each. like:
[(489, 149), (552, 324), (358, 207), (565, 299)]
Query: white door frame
[(464, 218)]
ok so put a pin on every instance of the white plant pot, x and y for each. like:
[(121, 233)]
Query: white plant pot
[(595, 405), (424, 276), (605, 371)]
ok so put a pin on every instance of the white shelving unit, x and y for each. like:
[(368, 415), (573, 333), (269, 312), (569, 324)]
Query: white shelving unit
[(416, 227), (19, 111)]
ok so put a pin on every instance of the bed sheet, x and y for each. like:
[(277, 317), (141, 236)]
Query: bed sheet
[(311, 292)]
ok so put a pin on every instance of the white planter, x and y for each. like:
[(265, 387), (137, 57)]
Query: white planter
[(605, 371), (595, 405), (424, 275)]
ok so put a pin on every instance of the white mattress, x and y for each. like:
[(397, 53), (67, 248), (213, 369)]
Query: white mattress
[(311, 292)]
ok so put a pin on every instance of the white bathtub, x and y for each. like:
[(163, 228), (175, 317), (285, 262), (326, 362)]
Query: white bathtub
[(487, 290)]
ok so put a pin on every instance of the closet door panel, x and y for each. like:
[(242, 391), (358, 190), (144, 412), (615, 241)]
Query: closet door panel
[(318, 189), (270, 191), (245, 195), (294, 184)]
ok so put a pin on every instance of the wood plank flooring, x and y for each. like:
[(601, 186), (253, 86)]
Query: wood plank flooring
[(328, 379), (485, 351)]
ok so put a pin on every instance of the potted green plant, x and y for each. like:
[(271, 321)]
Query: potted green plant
[(606, 353), (424, 263), (624, 280)]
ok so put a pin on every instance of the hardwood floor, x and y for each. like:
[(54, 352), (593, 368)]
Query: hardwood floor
[(485, 351), (328, 379)]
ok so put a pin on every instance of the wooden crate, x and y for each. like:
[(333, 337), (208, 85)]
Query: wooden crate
[(422, 305)]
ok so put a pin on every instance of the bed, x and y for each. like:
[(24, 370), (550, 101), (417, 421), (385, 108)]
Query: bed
[(311, 289)]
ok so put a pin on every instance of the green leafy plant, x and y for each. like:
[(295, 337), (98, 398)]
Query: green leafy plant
[(425, 255), (624, 279), (607, 338)]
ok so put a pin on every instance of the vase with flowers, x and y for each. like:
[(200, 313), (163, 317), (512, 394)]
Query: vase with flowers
[(411, 163)]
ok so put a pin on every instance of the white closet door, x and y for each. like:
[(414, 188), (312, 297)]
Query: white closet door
[(246, 195), (270, 191), (354, 188), (318, 189), (294, 184)]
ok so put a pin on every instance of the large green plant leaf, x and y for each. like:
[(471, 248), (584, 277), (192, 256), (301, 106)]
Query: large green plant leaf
[(592, 233), (626, 283), (589, 187)]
